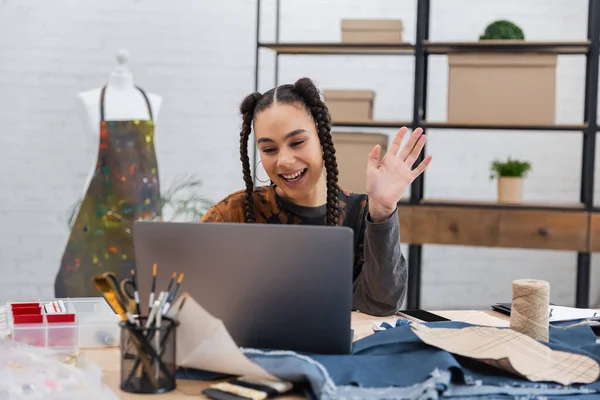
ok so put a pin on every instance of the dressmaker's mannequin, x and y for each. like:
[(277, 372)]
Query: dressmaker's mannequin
[(123, 101), (123, 186)]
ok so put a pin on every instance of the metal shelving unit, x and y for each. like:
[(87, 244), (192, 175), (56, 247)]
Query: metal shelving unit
[(420, 51)]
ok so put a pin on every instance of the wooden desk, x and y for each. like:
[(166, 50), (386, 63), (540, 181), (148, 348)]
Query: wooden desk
[(108, 359)]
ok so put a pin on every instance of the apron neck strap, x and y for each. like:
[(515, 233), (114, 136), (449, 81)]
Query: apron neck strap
[(138, 88)]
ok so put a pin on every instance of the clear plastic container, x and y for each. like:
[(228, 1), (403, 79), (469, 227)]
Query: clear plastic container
[(68, 324), (98, 323), (37, 325), (49, 374)]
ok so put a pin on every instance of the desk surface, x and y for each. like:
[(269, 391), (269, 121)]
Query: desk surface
[(108, 359)]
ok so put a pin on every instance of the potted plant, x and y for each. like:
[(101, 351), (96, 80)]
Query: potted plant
[(510, 174), (502, 30), (491, 85)]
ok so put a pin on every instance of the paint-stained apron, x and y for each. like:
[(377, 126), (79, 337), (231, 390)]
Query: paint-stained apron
[(124, 188)]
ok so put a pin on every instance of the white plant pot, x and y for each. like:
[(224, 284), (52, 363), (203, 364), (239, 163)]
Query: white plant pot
[(510, 189)]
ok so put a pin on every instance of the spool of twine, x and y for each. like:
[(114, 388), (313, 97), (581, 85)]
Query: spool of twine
[(530, 308)]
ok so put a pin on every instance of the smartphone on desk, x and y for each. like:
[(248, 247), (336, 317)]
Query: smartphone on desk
[(422, 315)]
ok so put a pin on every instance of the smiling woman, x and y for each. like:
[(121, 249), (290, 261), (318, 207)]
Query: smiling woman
[(292, 129), (291, 154)]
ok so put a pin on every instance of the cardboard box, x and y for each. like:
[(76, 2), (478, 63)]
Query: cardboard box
[(352, 150), (372, 31), (350, 105), (502, 88)]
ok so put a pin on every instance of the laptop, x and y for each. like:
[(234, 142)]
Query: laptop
[(282, 287)]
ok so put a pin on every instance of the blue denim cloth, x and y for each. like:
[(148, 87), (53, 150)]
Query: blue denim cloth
[(396, 364)]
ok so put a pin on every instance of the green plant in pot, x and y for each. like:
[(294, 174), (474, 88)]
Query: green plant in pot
[(502, 30), (510, 174)]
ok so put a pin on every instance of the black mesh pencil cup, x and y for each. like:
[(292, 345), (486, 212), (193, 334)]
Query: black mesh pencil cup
[(148, 356)]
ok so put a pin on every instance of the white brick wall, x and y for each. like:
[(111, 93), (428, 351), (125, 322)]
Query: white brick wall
[(199, 56)]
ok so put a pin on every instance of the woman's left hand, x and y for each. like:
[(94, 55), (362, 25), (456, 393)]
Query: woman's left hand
[(388, 179)]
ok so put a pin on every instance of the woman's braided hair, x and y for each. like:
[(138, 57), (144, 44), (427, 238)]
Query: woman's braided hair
[(305, 93)]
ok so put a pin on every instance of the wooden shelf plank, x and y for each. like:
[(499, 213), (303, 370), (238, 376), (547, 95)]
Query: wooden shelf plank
[(526, 205), (507, 126), (448, 226), (333, 48), (494, 227), (466, 125), (372, 124), (508, 46), (542, 229), (595, 232), (432, 47)]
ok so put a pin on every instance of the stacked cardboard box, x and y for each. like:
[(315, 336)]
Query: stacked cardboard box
[(352, 150), (502, 88), (350, 105), (372, 31)]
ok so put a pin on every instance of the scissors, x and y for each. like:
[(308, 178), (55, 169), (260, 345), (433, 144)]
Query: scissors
[(125, 291)]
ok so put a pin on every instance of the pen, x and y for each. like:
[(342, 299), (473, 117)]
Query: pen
[(151, 301), (135, 293)]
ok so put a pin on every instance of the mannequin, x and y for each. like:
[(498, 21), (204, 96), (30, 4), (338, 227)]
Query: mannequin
[(123, 101), (122, 187)]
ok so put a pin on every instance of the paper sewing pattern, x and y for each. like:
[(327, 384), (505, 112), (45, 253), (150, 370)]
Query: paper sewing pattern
[(513, 352), (203, 342), (481, 318)]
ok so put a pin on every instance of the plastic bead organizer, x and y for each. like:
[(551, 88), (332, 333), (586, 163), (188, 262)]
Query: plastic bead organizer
[(69, 323)]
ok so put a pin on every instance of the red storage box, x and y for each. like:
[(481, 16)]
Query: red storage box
[(52, 326)]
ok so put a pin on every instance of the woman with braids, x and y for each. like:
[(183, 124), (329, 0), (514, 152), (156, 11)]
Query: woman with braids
[(292, 130)]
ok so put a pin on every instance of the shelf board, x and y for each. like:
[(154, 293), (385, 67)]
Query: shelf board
[(474, 223), (457, 125), (338, 48), (508, 46), (372, 124), (532, 127), (431, 47), (525, 205)]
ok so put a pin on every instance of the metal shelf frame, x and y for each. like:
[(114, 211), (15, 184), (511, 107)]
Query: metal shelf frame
[(421, 50)]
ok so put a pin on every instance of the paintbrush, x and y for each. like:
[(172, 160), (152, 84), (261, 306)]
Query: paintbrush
[(126, 302), (171, 282), (164, 294), (136, 293), (152, 289), (172, 295), (115, 283), (104, 285)]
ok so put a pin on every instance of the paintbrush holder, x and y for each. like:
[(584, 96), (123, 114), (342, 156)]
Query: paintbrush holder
[(148, 356)]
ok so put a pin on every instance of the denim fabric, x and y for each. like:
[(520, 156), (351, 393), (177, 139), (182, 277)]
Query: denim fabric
[(396, 364), (510, 392)]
